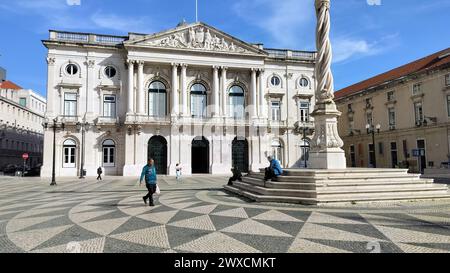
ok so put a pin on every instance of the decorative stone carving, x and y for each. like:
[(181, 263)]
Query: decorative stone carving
[(198, 37), (51, 60)]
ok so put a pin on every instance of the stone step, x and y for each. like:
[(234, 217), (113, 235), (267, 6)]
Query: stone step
[(340, 191), (357, 198), (330, 184), (384, 197), (269, 198)]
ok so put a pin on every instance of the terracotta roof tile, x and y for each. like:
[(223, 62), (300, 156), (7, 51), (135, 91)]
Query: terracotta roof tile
[(432, 61), (9, 85)]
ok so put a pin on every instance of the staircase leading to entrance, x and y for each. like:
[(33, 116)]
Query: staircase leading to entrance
[(314, 187)]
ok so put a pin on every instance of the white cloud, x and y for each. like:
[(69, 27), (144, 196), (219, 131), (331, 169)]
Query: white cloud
[(58, 14), (348, 48), (285, 21)]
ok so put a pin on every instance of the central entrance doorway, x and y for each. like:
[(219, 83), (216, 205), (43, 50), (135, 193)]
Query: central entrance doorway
[(157, 149), (200, 155), (239, 154)]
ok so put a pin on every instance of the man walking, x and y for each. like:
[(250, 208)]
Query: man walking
[(149, 173), (99, 173), (274, 170)]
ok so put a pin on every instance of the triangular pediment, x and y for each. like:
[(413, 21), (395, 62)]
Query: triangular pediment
[(196, 37)]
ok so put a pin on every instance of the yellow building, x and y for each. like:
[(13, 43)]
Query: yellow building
[(400, 118)]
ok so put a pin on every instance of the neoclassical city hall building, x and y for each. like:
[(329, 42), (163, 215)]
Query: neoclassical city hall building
[(192, 95)]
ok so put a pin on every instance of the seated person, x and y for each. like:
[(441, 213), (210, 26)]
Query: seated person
[(237, 175), (274, 170)]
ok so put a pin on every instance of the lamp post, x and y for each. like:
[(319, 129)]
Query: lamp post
[(305, 130), (54, 127), (371, 130), (83, 127)]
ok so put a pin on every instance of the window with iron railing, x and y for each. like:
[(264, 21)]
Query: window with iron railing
[(417, 88)]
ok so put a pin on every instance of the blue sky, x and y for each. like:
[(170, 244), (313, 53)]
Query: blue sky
[(367, 39)]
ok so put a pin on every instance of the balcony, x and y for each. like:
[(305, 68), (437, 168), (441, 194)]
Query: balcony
[(89, 38), (291, 54)]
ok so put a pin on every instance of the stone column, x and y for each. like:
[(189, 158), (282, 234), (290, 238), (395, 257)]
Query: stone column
[(175, 101), (215, 100), (51, 94), (90, 78), (253, 102), (223, 84), (262, 100), (326, 152), (184, 100), (130, 98), (140, 97)]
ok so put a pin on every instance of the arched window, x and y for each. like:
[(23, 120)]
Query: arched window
[(236, 102), (109, 149), (157, 99), (198, 101), (69, 153), (277, 150)]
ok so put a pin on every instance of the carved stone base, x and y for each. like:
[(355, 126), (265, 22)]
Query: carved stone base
[(326, 152)]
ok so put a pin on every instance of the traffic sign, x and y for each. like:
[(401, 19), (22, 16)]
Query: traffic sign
[(25, 156)]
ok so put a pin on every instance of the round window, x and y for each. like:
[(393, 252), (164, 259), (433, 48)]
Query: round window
[(275, 81), (110, 72), (71, 69), (304, 82)]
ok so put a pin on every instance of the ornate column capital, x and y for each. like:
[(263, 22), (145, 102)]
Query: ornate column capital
[(322, 3), (90, 63), (130, 61), (183, 65), (175, 64), (224, 67), (140, 63), (51, 60)]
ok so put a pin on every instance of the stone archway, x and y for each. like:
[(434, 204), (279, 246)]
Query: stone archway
[(200, 155), (157, 149)]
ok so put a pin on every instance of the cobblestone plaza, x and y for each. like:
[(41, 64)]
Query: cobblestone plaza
[(197, 215)]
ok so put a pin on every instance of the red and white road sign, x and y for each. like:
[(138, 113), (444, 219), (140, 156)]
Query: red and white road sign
[(25, 156)]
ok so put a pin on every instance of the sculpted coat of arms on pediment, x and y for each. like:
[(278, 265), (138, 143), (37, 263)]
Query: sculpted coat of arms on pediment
[(198, 37)]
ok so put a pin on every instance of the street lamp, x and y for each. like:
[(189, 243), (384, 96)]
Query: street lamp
[(83, 127), (54, 127), (371, 130), (305, 130)]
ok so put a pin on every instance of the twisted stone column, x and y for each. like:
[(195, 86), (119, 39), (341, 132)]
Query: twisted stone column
[(326, 152), (325, 82)]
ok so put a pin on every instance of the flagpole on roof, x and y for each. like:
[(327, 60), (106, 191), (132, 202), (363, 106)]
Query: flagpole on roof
[(196, 10)]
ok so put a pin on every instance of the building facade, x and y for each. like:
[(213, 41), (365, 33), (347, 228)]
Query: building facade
[(408, 111), (21, 116), (192, 95)]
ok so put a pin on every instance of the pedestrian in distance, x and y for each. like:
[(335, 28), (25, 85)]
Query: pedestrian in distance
[(274, 170), (149, 174), (237, 175), (178, 171), (99, 173)]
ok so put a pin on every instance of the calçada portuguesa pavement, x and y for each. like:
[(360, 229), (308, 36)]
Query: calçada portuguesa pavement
[(196, 215)]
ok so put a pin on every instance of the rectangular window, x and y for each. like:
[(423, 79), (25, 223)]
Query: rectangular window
[(417, 88), (448, 105), (380, 148), (109, 106), (418, 112), (108, 156), (390, 96), (447, 80), (349, 108), (69, 157), (23, 102), (276, 110), (391, 115), (304, 111), (369, 118), (70, 104), (198, 106), (352, 156), (394, 158)]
